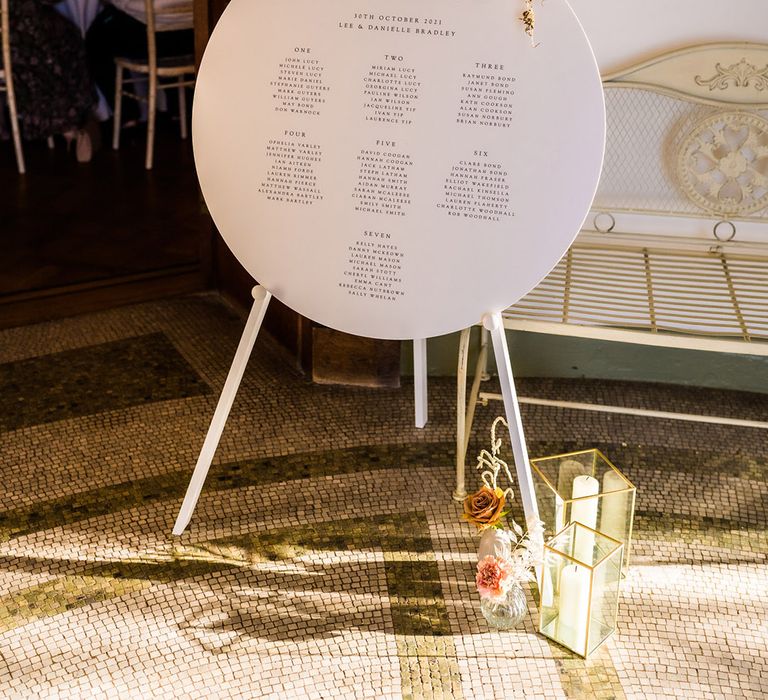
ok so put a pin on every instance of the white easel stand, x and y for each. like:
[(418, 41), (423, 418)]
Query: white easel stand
[(494, 324), (420, 381), (261, 299)]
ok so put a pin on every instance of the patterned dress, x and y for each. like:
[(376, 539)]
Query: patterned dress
[(54, 91)]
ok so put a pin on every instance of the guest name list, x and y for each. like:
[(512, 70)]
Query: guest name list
[(292, 178), (486, 96), (299, 87), (374, 268), (475, 190), (391, 90)]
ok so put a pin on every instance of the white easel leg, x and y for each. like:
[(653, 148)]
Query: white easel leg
[(460, 492), (261, 299), (420, 381), (466, 409), (495, 325)]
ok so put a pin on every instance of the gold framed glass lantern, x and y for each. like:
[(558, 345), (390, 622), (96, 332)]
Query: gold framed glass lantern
[(585, 487), (580, 588)]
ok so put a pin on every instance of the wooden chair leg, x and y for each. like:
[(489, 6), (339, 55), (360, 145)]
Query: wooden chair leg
[(151, 113), (117, 116), (16, 132), (183, 110)]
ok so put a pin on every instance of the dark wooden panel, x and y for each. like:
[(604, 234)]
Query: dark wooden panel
[(69, 223), (59, 302), (339, 358)]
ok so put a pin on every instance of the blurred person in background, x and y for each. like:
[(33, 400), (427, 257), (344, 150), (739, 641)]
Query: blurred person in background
[(54, 90)]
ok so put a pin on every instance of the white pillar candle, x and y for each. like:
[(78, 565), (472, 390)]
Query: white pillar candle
[(584, 512), (568, 471), (574, 607), (613, 511)]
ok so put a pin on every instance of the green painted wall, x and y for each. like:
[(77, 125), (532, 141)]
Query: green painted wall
[(537, 355)]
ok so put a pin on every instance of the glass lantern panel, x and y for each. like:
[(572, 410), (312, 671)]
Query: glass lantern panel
[(550, 593), (579, 594), (616, 511), (605, 600), (584, 487)]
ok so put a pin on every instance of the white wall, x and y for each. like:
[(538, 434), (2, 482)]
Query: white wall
[(623, 32)]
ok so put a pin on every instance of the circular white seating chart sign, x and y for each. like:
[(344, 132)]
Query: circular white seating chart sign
[(397, 169)]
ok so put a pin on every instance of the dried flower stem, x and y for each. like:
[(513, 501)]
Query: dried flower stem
[(492, 463), (528, 18)]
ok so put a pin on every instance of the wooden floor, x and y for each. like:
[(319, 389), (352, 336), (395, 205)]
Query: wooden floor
[(69, 226)]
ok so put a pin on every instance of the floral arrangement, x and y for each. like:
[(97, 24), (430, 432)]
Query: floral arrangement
[(494, 578), (514, 553)]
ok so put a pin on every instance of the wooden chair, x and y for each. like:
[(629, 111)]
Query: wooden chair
[(152, 69), (6, 83)]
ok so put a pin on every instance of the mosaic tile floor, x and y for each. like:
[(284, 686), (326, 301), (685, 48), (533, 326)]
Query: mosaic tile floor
[(326, 558)]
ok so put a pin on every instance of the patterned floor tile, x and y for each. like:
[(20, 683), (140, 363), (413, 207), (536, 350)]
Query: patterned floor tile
[(99, 378), (326, 558)]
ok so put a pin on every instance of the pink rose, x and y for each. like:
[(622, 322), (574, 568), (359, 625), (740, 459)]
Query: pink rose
[(494, 577)]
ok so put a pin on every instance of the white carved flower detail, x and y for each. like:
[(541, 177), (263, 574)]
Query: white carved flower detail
[(726, 164)]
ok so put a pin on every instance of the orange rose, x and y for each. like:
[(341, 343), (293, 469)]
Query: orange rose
[(485, 508)]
